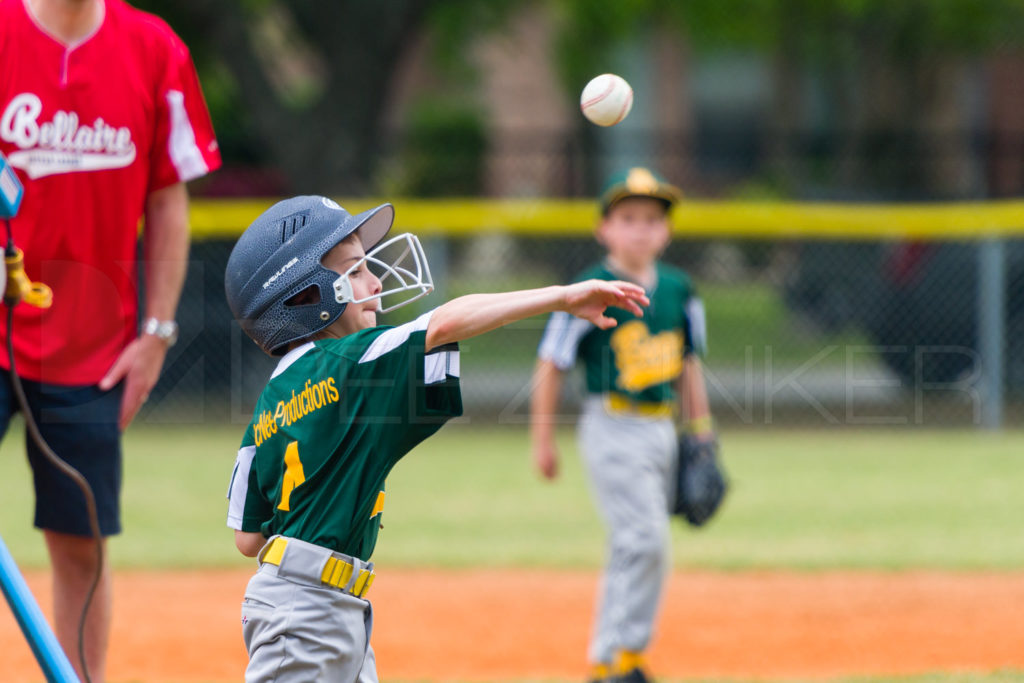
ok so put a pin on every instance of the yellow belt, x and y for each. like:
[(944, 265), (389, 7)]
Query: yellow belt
[(617, 403), (337, 572)]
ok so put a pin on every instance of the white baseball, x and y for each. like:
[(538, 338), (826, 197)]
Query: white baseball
[(606, 99)]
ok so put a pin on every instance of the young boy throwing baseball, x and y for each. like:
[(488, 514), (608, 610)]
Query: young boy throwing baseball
[(348, 399), (635, 372)]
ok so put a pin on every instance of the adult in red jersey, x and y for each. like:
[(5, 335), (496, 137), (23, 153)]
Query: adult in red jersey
[(102, 116)]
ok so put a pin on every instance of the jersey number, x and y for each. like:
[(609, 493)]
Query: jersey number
[(293, 474)]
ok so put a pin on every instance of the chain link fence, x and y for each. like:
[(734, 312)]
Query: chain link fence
[(810, 333)]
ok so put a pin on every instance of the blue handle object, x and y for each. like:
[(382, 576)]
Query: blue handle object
[(51, 657), (11, 190)]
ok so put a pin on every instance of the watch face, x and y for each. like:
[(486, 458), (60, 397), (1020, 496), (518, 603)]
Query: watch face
[(167, 330)]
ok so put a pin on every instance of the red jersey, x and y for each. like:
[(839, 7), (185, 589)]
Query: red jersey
[(92, 129)]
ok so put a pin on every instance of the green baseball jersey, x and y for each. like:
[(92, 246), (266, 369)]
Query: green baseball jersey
[(641, 356), (335, 417)]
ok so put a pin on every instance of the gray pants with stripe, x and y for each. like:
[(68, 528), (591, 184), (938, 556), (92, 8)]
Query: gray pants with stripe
[(299, 630), (630, 461)]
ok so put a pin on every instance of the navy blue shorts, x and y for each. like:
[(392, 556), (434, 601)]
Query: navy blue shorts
[(80, 424)]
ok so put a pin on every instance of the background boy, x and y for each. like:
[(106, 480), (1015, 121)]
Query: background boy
[(634, 374), (347, 400)]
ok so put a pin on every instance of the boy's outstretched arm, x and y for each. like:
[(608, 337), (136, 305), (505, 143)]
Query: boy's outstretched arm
[(547, 387), (474, 314)]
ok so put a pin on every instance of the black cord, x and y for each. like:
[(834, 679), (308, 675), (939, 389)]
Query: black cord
[(60, 464)]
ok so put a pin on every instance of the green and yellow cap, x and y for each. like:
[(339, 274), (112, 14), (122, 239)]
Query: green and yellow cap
[(638, 182)]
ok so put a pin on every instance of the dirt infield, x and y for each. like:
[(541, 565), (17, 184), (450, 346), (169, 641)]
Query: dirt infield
[(501, 625)]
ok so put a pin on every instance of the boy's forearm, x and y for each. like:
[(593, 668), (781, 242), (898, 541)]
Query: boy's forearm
[(475, 314), (249, 543), (547, 387), (693, 395)]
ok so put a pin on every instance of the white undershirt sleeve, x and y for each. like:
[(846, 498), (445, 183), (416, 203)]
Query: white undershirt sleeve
[(561, 339)]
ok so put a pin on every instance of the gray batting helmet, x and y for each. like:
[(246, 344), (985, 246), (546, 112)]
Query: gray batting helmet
[(278, 256)]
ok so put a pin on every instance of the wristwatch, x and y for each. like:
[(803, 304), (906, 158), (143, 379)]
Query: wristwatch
[(164, 330)]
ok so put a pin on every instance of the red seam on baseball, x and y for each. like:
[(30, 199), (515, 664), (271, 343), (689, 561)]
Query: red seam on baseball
[(598, 98), (625, 107)]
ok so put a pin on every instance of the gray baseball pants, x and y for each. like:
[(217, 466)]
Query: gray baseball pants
[(298, 630), (630, 461)]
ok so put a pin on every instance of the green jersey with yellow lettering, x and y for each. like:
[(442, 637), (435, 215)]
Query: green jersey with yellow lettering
[(335, 417), (641, 356)]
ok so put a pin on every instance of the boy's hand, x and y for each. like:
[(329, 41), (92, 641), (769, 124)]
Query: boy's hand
[(545, 457), (589, 299)]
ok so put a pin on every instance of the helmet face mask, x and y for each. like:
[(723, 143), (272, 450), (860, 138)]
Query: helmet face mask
[(401, 266)]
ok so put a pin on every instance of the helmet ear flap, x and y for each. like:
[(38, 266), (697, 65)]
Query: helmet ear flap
[(307, 297)]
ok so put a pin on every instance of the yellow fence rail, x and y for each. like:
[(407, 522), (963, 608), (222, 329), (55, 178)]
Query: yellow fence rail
[(215, 218)]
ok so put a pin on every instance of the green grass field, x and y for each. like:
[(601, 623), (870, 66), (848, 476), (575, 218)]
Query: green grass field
[(804, 500)]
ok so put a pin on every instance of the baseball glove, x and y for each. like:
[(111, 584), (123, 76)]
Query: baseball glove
[(700, 482)]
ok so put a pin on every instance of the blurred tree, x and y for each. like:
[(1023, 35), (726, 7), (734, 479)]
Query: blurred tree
[(893, 72), (301, 85), (896, 76), (444, 151)]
